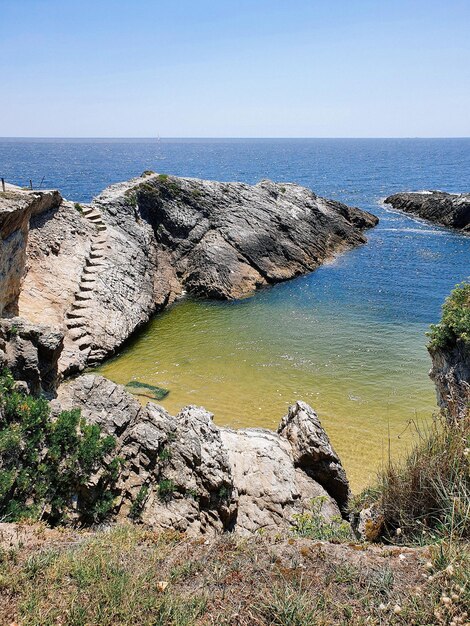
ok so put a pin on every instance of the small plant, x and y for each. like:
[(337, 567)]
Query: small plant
[(427, 495), (283, 190), (224, 493), (138, 504), (163, 177), (166, 489), (313, 525), (147, 173), (14, 330), (78, 207), (164, 455)]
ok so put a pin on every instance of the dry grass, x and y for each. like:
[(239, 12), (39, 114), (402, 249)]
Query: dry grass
[(115, 578), (427, 496)]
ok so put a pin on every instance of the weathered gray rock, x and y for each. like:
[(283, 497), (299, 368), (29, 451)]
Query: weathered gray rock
[(313, 453), (198, 478), (97, 272), (31, 352), (271, 489), (448, 209), (451, 375), (178, 462)]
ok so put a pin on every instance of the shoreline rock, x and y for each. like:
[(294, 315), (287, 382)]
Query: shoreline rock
[(446, 209), (199, 478), (98, 272)]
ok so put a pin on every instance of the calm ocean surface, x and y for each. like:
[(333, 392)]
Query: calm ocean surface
[(348, 338)]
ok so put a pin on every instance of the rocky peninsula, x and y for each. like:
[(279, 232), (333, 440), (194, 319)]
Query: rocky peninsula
[(448, 209), (97, 272)]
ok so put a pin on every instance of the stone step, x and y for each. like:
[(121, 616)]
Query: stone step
[(86, 210), (97, 246), (101, 227), (76, 305), (76, 322), (93, 217), (88, 278), (74, 315), (84, 342), (96, 254), (83, 296), (95, 262), (91, 270), (78, 333), (86, 286)]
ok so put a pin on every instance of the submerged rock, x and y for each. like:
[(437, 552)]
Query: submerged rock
[(448, 209), (99, 271), (185, 473)]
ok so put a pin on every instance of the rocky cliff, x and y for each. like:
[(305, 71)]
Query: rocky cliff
[(187, 474), (451, 210), (451, 375), (97, 272), (16, 208)]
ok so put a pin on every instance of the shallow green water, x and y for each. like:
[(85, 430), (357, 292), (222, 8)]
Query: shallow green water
[(247, 361)]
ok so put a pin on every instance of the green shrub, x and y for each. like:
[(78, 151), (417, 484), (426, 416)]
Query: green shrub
[(455, 320), (78, 207), (45, 463)]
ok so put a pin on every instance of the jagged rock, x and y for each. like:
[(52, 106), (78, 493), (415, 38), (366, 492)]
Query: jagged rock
[(313, 453), (31, 352), (99, 271), (180, 460), (271, 490), (449, 209), (451, 375), (199, 478)]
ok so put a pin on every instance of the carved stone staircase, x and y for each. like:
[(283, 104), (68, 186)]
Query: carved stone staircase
[(78, 316)]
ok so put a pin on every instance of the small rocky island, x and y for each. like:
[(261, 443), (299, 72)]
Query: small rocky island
[(448, 209)]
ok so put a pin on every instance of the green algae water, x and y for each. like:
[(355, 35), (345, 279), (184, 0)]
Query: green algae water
[(349, 339)]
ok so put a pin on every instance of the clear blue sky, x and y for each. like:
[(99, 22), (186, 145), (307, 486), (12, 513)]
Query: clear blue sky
[(243, 68)]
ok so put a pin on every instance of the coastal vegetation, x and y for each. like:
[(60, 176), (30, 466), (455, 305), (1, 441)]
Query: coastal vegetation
[(44, 462), (455, 321)]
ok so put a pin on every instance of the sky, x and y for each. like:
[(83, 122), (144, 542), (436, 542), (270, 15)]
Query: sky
[(234, 68)]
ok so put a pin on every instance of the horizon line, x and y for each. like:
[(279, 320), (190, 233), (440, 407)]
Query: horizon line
[(155, 138)]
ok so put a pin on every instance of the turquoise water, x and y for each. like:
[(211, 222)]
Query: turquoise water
[(348, 338)]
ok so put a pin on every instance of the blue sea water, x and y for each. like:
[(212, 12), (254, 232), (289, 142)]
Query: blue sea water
[(402, 275), (348, 338)]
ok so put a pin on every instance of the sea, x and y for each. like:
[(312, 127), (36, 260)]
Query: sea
[(349, 339)]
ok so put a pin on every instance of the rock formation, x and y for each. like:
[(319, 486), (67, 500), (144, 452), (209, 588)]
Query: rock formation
[(97, 272), (451, 374), (187, 474), (16, 209), (447, 209), (31, 352)]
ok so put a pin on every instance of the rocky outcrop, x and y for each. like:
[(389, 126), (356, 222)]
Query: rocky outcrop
[(451, 375), (31, 352), (97, 272), (447, 209), (16, 209), (184, 473)]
